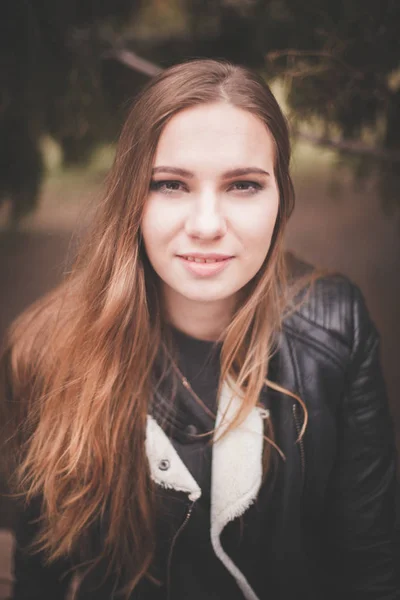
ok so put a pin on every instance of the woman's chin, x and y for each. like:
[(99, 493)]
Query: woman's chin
[(204, 294)]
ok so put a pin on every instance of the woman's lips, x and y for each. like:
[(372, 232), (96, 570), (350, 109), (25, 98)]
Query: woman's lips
[(205, 266)]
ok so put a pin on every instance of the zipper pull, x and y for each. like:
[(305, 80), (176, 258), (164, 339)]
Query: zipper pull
[(173, 543), (299, 441)]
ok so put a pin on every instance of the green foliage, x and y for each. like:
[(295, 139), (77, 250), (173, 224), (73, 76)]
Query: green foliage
[(339, 60), (53, 81)]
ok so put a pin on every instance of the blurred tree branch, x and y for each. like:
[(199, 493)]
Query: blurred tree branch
[(133, 61)]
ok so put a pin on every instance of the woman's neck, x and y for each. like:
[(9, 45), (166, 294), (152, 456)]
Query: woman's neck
[(201, 320)]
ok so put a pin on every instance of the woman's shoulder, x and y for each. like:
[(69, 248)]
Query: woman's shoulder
[(326, 305)]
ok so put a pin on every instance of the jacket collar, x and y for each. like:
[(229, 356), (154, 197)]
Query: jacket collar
[(236, 470)]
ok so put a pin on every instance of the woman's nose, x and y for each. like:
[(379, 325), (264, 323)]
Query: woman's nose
[(206, 220)]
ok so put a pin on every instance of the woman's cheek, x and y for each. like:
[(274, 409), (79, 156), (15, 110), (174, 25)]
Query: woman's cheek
[(163, 220), (257, 223), (153, 225)]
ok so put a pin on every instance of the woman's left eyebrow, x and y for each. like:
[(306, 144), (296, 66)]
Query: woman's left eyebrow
[(244, 171)]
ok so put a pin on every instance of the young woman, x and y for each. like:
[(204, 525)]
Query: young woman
[(190, 416)]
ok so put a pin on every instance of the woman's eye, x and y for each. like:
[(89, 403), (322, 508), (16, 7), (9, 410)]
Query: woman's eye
[(166, 187), (246, 186)]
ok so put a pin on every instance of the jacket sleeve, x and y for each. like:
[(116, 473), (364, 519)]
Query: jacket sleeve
[(34, 579), (361, 496)]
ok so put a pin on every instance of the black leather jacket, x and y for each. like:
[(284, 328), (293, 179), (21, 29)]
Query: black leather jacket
[(323, 526)]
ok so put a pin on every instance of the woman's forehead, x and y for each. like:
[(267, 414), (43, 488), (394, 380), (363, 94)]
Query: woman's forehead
[(215, 135)]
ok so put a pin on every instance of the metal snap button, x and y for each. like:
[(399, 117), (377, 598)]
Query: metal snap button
[(164, 464), (264, 412)]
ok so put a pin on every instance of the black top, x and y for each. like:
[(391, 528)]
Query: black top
[(180, 413), (183, 419)]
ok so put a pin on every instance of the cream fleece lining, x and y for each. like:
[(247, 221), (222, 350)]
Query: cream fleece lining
[(236, 473)]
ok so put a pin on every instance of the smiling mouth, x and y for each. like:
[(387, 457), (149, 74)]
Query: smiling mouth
[(205, 266), (196, 259)]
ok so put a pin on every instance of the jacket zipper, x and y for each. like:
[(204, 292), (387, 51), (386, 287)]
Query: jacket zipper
[(300, 442), (173, 544)]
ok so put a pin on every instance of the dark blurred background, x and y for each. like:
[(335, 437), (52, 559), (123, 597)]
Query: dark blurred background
[(68, 69)]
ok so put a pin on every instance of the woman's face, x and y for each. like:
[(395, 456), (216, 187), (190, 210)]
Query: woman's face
[(213, 203)]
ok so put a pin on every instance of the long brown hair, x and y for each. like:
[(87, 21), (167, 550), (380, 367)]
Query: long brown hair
[(81, 358)]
